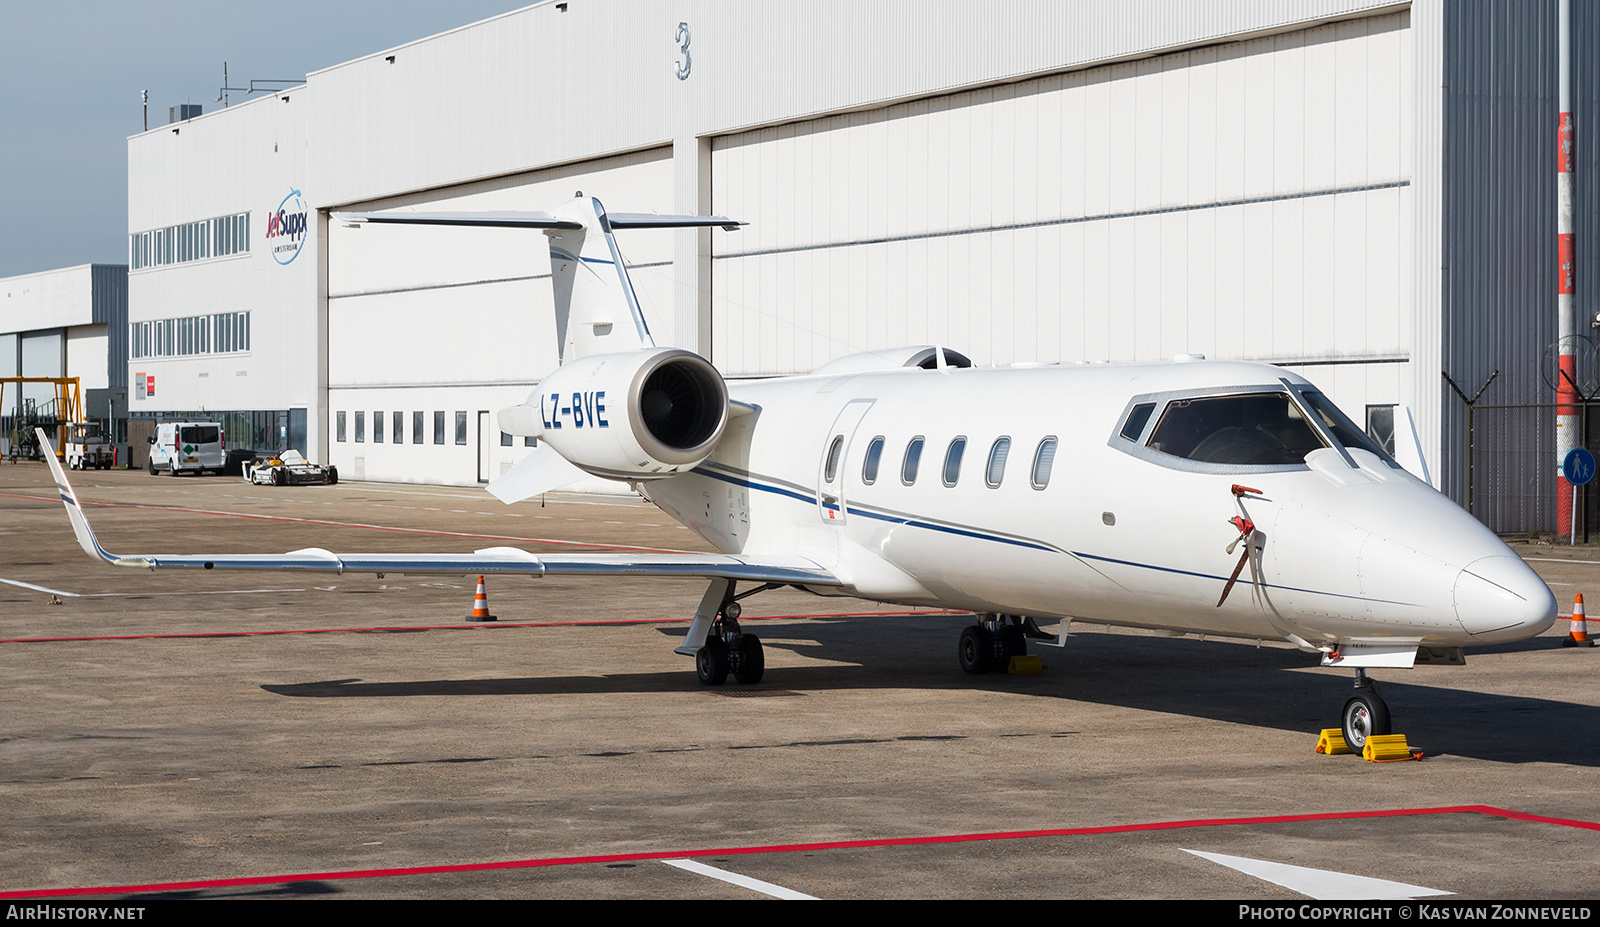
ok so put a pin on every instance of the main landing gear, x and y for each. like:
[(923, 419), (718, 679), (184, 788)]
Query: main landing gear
[(1365, 713), (727, 649), (994, 640)]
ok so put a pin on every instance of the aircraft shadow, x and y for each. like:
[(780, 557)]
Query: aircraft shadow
[(1220, 681)]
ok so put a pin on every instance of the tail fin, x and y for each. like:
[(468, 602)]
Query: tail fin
[(597, 311)]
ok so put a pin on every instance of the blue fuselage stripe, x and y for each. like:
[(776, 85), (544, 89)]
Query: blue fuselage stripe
[(982, 536)]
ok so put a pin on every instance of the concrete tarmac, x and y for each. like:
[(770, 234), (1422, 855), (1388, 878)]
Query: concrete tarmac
[(280, 734)]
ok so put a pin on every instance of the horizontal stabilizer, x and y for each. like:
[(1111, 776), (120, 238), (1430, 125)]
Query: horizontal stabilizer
[(543, 471), (649, 220), (505, 219)]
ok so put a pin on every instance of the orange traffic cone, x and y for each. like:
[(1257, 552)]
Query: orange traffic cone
[(480, 604), (1579, 635)]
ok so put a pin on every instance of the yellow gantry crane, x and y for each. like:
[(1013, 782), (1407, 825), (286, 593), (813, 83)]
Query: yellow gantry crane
[(65, 408)]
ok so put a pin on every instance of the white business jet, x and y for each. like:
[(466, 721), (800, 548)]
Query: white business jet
[(1204, 497)]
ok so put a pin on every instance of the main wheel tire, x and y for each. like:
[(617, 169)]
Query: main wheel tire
[(751, 662), (975, 650), (1016, 641), (1365, 715), (711, 662)]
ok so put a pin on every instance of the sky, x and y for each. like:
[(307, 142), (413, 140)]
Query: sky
[(71, 72)]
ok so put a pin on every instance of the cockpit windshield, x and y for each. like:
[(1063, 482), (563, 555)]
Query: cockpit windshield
[(1339, 425), (1252, 429)]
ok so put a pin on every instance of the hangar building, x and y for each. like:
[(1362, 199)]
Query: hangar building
[(1361, 191), (70, 322)]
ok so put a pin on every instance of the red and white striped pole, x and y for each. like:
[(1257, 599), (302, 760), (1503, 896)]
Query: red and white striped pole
[(1567, 429)]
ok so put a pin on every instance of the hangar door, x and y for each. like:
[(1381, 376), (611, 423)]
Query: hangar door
[(429, 326), (1247, 200)]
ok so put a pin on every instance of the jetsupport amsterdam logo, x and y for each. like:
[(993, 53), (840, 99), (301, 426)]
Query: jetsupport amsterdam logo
[(286, 229)]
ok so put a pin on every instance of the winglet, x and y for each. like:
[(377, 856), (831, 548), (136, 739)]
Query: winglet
[(80, 523)]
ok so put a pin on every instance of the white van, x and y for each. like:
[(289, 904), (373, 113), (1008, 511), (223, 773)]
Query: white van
[(180, 446)]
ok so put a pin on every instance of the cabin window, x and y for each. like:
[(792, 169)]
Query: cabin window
[(1134, 426), (996, 471), (1043, 459), (1259, 428), (869, 466), (908, 469), (952, 460), (831, 469)]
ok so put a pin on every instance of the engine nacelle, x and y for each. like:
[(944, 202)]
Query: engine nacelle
[(636, 416)]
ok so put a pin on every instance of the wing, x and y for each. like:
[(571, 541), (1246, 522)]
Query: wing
[(491, 560)]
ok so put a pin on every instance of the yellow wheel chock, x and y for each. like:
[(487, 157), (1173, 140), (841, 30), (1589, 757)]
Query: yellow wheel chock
[(1025, 666)]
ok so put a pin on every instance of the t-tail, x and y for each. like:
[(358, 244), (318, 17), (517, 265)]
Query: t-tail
[(596, 308), (619, 406)]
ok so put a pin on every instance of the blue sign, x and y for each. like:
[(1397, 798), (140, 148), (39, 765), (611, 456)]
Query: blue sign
[(1578, 466)]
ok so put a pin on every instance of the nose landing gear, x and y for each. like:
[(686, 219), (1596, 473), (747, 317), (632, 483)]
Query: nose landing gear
[(1365, 713)]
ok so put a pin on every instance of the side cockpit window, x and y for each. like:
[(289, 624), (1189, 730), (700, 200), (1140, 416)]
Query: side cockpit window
[(1253, 429)]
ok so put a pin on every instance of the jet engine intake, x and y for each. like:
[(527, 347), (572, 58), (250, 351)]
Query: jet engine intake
[(635, 416)]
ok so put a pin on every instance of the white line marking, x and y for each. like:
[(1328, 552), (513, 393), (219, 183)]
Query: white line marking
[(107, 595), (17, 582), (1562, 560), (733, 878), (1320, 884)]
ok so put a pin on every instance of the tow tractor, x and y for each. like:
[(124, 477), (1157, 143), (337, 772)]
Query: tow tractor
[(87, 447)]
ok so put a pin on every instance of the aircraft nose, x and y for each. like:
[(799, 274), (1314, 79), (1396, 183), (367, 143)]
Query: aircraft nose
[(1500, 598)]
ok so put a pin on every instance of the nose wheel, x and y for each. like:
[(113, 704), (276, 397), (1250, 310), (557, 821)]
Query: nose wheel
[(1365, 714)]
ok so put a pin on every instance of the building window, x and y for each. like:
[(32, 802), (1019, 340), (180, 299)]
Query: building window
[(530, 441), (461, 428), (399, 428), (192, 241), (438, 428), (338, 429), (377, 428), (1380, 427), (217, 333), (416, 428), (505, 439), (361, 427)]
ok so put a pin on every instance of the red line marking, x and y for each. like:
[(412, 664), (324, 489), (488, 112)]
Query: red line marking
[(476, 626), (352, 524), (794, 848)]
